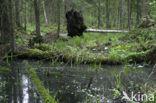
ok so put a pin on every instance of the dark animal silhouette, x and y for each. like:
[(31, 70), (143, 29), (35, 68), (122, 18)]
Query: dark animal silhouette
[(75, 24)]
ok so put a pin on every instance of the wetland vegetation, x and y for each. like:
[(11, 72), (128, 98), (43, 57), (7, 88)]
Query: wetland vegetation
[(78, 51)]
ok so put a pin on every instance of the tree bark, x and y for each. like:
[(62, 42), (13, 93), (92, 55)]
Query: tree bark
[(99, 13), (17, 13), (12, 42), (138, 13), (145, 8), (129, 13), (64, 12), (25, 16), (30, 12), (121, 13), (58, 17), (21, 10), (4, 23), (107, 15), (45, 13), (37, 16)]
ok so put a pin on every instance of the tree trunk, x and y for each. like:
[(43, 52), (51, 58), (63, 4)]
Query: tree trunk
[(12, 42), (99, 13), (37, 17), (68, 5), (106, 31), (25, 16), (121, 13), (138, 13), (30, 12), (17, 13), (4, 23), (129, 14), (107, 15), (45, 13), (58, 17), (21, 10), (64, 12), (145, 8)]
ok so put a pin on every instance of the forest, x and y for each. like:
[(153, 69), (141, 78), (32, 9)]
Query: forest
[(77, 51)]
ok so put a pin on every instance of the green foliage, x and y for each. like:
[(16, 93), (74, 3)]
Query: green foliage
[(145, 34), (116, 93), (102, 48), (4, 69)]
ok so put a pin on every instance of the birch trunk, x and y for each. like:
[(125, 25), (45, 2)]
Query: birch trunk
[(45, 13)]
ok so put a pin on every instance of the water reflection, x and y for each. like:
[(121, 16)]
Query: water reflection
[(71, 87), (70, 83), (18, 88)]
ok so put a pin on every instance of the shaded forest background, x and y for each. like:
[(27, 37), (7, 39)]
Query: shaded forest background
[(103, 14)]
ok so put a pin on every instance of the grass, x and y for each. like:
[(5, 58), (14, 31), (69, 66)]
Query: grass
[(136, 46), (44, 29), (45, 95)]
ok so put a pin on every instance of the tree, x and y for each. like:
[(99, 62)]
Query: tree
[(58, 17), (4, 21), (121, 13), (129, 13), (25, 16), (17, 13), (67, 5), (138, 13), (30, 11), (145, 8), (99, 13), (37, 16), (12, 42), (45, 13), (107, 15)]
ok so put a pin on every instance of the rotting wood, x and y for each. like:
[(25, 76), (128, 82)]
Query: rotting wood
[(106, 31)]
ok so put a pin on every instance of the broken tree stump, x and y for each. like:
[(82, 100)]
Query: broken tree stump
[(75, 24)]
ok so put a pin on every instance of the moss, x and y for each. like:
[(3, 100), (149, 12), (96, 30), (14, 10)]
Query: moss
[(4, 69), (142, 56), (135, 46), (148, 55), (45, 95)]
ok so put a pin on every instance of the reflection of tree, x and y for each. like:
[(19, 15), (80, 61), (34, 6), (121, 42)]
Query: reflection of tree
[(14, 85)]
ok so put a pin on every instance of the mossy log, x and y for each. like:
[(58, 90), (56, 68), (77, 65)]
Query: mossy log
[(47, 53), (145, 56)]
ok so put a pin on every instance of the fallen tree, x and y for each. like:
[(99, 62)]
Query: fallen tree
[(106, 31)]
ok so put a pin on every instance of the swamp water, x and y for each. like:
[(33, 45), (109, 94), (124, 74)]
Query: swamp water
[(76, 83), (16, 86)]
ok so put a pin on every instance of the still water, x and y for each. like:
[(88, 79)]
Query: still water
[(72, 83)]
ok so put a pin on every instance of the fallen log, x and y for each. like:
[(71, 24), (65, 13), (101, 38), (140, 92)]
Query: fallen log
[(106, 31)]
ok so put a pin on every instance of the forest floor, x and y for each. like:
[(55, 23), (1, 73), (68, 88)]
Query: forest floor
[(107, 48)]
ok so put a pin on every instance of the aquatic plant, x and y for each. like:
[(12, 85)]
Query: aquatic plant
[(4, 69), (45, 95)]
